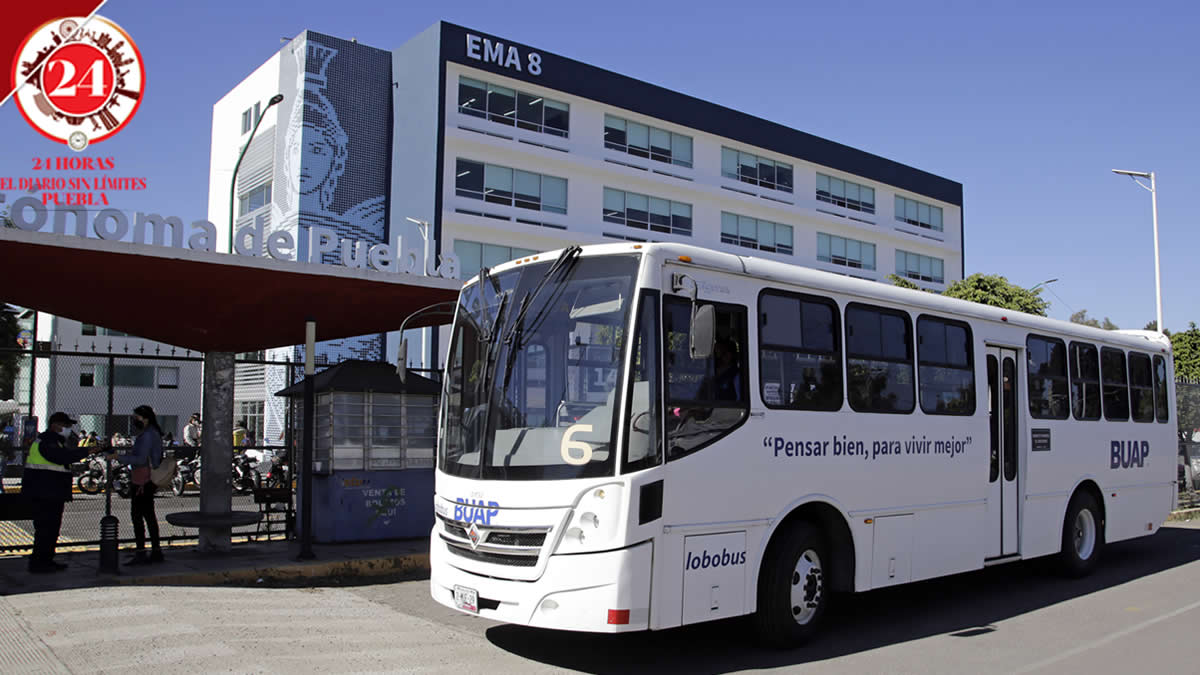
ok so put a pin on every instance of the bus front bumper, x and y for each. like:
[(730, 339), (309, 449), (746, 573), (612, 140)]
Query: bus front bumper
[(606, 592)]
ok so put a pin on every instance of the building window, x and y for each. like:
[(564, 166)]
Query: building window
[(141, 377), (879, 360), (1046, 363), (645, 212), (510, 187), (799, 351), (247, 122), (845, 194), (1085, 381), (918, 213), (87, 329), (251, 412), (919, 267), (756, 170), (168, 377), (848, 252), (87, 375), (474, 256), (945, 367), (641, 140), (1141, 387), (754, 233), (255, 199), (1115, 384), (513, 107)]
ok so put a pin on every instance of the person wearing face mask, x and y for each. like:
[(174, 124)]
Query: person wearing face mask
[(47, 484), (147, 452)]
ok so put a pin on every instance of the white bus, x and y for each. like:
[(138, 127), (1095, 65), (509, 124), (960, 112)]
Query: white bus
[(646, 436)]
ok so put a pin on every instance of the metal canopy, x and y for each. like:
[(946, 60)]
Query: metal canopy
[(207, 301)]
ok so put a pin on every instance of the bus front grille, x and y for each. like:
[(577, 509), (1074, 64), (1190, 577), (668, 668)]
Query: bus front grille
[(507, 559)]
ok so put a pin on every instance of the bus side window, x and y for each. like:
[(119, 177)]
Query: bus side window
[(800, 360), (1085, 381), (706, 398), (879, 360), (1046, 361), (946, 370), (1161, 407), (1116, 384), (1141, 387)]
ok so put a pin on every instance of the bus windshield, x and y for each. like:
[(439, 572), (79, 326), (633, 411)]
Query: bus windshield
[(535, 360)]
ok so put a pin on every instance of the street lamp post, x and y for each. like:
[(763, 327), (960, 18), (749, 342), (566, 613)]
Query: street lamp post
[(277, 98), (1037, 286), (1135, 175), (424, 235)]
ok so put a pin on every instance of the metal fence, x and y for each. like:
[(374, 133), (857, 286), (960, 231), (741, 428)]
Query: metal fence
[(101, 389), (1187, 397)]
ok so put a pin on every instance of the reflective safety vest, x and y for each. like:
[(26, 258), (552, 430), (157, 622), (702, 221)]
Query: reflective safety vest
[(36, 461)]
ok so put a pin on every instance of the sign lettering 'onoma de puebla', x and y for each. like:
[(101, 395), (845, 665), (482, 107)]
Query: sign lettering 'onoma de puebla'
[(29, 214)]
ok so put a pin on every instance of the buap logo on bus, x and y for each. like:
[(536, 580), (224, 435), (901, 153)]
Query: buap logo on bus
[(475, 511), (83, 80), (1128, 454)]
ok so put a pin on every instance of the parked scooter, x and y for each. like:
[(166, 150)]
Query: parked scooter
[(244, 477), (95, 474), (279, 472), (189, 472)]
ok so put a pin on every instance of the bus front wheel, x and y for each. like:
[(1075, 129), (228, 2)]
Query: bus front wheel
[(1083, 536), (792, 587)]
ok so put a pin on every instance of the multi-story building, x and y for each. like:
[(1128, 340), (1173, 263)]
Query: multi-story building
[(504, 149)]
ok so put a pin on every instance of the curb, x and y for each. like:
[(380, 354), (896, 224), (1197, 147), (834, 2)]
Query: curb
[(1185, 514), (411, 564)]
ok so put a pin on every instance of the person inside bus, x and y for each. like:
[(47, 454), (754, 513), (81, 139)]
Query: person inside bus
[(726, 381)]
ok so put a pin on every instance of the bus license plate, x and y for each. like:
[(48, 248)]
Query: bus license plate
[(466, 599)]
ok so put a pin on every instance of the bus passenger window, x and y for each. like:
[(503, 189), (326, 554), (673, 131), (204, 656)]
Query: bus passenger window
[(1116, 386), (706, 398), (1047, 365), (1161, 408), (1141, 387), (800, 364), (1085, 381), (946, 372), (879, 360)]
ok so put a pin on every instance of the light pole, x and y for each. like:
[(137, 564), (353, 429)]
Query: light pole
[(1037, 286), (424, 235), (277, 98), (1135, 175)]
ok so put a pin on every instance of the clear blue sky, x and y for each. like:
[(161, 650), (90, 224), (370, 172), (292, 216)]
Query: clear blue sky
[(1027, 104)]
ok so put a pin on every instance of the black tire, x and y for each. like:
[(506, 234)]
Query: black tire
[(123, 490), (779, 621), (89, 484), (1082, 537), (177, 485)]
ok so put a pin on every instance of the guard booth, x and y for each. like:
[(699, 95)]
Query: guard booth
[(373, 451)]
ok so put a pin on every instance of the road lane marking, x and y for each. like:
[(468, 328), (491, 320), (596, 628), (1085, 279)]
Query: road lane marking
[(1112, 636)]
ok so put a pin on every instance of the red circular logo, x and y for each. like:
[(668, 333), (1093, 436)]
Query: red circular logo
[(82, 80)]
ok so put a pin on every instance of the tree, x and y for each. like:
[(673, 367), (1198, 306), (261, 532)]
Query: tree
[(997, 291), (900, 281), (1152, 325), (1083, 319), (1186, 347)]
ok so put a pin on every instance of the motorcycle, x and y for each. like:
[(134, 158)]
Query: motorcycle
[(189, 472), (245, 479), (94, 476), (123, 481), (279, 473)]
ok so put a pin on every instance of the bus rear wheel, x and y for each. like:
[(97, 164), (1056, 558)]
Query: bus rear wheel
[(792, 588), (1083, 536)]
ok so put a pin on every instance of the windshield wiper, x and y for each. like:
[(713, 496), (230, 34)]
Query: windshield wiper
[(569, 253)]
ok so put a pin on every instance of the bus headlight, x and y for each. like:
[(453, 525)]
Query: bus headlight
[(594, 522)]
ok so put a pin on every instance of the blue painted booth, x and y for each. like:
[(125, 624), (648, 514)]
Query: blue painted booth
[(373, 452)]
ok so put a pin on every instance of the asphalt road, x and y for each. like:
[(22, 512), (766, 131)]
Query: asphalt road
[(1138, 613)]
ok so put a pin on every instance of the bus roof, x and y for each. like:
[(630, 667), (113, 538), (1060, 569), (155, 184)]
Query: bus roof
[(819, 280)]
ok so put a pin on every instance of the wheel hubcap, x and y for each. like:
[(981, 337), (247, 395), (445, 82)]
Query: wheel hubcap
[(1085, 534), (807, 587)]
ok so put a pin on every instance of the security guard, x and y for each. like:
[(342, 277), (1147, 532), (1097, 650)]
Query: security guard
[(46, 482)]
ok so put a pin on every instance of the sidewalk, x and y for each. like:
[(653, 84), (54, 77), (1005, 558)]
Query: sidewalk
[(261, 563)]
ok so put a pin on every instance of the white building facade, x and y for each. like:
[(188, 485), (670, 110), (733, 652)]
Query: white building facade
[(506, 150)]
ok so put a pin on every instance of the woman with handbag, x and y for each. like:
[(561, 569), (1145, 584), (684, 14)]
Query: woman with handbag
[(147, 453)]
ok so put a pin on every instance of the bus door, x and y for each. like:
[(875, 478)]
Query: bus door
[(1002, 509)]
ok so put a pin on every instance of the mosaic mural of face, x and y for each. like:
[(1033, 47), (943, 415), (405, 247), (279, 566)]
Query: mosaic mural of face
[(316, 161)]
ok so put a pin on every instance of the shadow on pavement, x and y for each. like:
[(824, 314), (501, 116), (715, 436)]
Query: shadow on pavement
[(964, 605)]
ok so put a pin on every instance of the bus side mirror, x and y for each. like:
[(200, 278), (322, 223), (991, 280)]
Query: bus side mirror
[(402, 361), (703, 331)]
